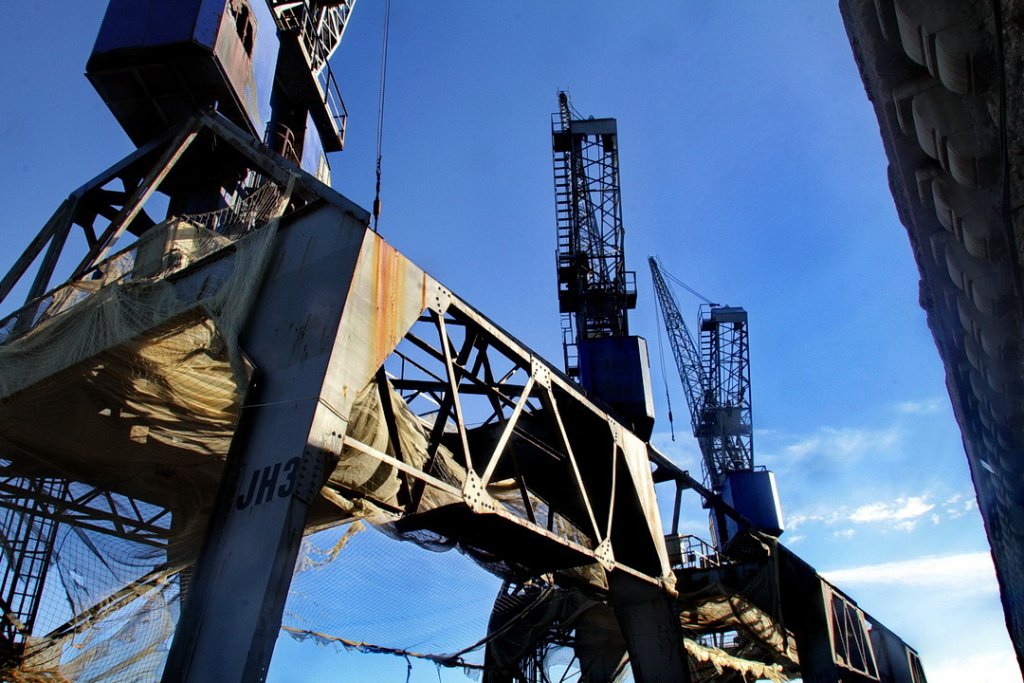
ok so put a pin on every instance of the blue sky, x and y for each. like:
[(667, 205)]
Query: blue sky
[(750, 162)]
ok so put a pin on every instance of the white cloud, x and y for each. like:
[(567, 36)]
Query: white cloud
[(986, 667), (921, 407), (972, 572), (959, 505), (902, 511), (846, 443), (797, 520), (844, 533)]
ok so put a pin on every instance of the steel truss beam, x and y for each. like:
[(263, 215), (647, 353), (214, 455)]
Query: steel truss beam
[(463, 374), (487, 404), (504, 415), (89, 508), (119, 196)]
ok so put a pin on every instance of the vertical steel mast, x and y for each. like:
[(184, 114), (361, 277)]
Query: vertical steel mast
[(595, 291), (28, 531)]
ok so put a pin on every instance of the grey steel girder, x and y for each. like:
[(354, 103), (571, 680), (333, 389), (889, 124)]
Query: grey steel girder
[(337, 309), (335, 304)]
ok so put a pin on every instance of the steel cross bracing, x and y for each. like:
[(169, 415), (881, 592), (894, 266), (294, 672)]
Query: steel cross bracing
[(32, 510), (594, 289), (518, 466), (113, 204), (87, 507), (849, 633), (505, 414), (320, 26), (105, 209)]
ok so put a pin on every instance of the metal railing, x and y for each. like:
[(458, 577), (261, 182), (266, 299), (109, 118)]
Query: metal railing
[(318, 32), (333, 101), (686, 551), (166, 248)]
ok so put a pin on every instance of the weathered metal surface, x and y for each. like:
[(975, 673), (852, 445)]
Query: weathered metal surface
[(651, 628), (157, 63), (309, 372), (308, 360)]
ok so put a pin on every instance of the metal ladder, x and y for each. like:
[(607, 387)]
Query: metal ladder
[(28, 530)]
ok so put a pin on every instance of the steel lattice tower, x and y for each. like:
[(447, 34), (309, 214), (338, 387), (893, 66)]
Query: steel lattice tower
[(595, 290)]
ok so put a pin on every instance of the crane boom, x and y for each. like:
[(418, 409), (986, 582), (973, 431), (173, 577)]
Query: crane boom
[(716, 377), (717, 382), (687, 358)]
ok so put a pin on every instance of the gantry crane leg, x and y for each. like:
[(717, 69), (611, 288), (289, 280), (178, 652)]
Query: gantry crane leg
[(651, 627)]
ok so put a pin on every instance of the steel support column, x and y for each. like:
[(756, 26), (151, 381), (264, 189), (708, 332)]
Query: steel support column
[(313, 350), (654, 638)]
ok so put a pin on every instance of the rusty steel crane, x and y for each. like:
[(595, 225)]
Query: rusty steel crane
[(217, 373)]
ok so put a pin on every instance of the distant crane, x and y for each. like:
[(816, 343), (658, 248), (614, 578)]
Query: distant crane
[(595, 291), (716, 379)]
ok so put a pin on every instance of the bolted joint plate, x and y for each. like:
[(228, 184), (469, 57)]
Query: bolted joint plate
[(604, 555), (439, 299), (616, 430), (540, 373), (314, 467), (475, 495)]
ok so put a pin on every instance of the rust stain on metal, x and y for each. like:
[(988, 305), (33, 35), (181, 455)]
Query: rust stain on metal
[(388, 285), (423, 293)]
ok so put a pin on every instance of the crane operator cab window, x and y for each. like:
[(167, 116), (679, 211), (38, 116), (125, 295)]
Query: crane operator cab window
[(244, 24)]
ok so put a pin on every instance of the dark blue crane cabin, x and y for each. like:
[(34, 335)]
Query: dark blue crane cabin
[(261, 63)]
